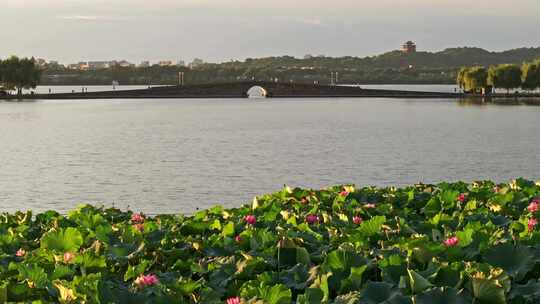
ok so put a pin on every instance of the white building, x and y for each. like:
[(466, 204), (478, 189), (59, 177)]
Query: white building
[(99, 65), (164, 63)]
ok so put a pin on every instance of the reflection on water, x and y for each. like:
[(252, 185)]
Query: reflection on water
[(481, 101), (176, 155)]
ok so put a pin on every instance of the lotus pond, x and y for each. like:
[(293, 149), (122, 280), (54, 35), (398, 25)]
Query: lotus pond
[(444, 243)]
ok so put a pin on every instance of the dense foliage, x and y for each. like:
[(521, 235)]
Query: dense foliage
[(472, 79), (445, 243), (19, 73), (502, 76), (531, 75), (391, 67), (505, 76)]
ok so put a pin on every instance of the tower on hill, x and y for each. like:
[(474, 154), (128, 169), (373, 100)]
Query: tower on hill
[(409, 47)]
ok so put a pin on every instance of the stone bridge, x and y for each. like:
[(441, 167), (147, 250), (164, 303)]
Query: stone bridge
[(240, 90)]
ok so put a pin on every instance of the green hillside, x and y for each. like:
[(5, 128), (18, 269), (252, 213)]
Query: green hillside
[(392, 67)]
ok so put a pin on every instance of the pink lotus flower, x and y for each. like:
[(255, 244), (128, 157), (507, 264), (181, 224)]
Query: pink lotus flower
[(20, 253), (462, 197), (451, 241), (357, 220), (238, 239), (146, 280), (233, 300), (533, 207), (344, 193), (137, 218), (496, 189), (68, 257), (304, 200), (369, 206), (532, 224), (251, 219), (312, 219)]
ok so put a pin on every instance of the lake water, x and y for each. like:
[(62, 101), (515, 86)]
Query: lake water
[(167, 156)]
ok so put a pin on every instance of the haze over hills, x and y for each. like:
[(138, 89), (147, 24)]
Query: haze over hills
[(397, 66)]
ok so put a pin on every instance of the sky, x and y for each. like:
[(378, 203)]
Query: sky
[(222, 30)]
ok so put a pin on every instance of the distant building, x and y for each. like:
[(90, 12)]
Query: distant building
[(83, 66), (409, 47), (164, 63), (181, 63), (144, 64), (98, 65), (73, 66)]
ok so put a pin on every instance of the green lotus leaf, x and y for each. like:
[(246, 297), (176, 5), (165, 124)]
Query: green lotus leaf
[(449, 275), (354, 281), (61, 272), (311, 296), (341, 262), (417, 282), (277, 294), (488, 291), (134, 271), (465, 237), (62, 240), (33, 274), (516, 261), (187, 287), (292, 256), (372, 227), (529, 291), (228, 229), (448, 198), (91, 261), (3, 292), (379, 293), (442, 295), (296, 278)]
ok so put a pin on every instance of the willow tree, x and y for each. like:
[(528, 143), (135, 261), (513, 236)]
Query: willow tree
[(531, 75), (19, 73), (472, 79), (505, 76)]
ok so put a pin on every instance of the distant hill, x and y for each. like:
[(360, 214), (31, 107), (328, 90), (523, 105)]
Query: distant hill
[(448, 58), (455, 57), (393, 67)]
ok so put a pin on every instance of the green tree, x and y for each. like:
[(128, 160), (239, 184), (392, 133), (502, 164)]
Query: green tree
[(505, 76), (19, 73), (472, 79), (531, 75)]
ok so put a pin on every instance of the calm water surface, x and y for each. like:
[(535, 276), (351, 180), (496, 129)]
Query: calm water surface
[(176, 155)]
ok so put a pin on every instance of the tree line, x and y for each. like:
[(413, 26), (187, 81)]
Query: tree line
[(19, 73), (393, 67), (502, 76)]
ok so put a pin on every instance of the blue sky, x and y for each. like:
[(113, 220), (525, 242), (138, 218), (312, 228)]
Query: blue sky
[(220, 30)]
